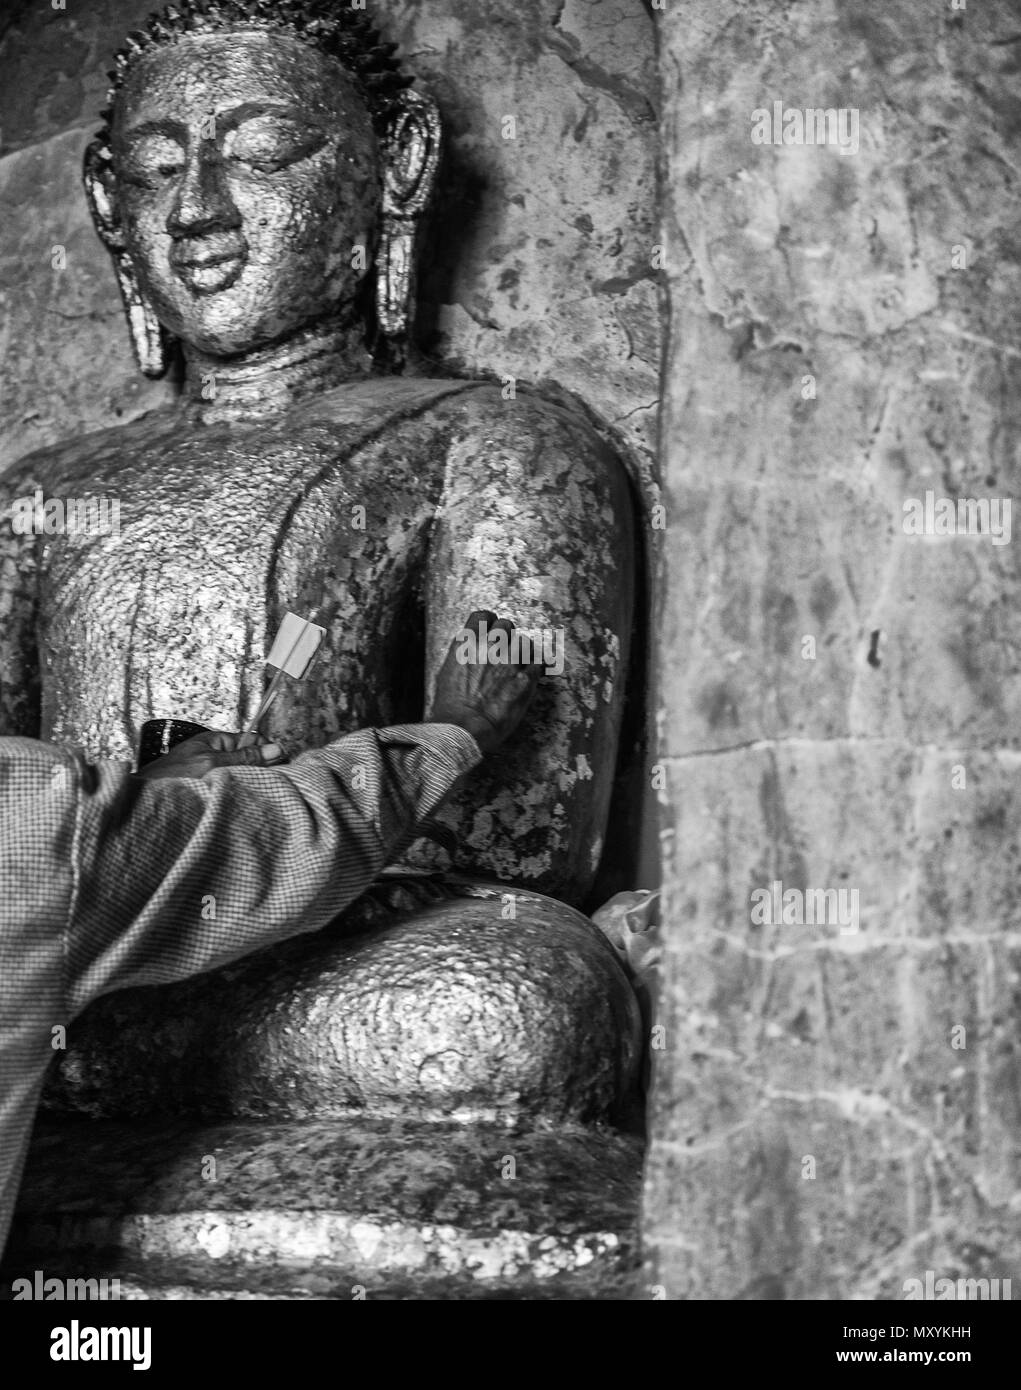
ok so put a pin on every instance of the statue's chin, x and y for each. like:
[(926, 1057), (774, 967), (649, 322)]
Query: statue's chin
[(216, 317), (233, 343), (216, 329), (225, 305)]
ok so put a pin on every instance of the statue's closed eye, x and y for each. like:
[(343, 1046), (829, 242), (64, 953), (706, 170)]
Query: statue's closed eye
[(152, 158), (264, 143), (267, 143)]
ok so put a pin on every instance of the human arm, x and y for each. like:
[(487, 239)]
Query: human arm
[(19, 664), (181, 874)]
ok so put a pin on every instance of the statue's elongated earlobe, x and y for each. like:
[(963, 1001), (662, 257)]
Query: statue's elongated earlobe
[(148, 336), (411, 155)]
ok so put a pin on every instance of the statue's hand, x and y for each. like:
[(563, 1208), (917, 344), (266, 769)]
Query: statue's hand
[(486, 698), (194, 757)]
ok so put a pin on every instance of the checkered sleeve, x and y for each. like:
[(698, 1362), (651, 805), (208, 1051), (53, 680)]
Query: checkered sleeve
[(107, 880), (177, 876), (38, 797)]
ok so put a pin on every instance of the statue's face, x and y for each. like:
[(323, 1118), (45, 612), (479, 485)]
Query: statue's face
[(247, 173)]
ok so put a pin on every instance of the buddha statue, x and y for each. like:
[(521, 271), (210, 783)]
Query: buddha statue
[(260, 183)]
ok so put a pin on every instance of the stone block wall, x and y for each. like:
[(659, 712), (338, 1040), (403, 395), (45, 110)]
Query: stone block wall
[(837, 1111)]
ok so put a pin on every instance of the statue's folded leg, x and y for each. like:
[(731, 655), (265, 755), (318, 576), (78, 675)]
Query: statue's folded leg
[(425, 998)]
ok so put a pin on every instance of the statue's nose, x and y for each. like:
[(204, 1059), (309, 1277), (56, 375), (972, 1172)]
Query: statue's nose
[(203, 203)]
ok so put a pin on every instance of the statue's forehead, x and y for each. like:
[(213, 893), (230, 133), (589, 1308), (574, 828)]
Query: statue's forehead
[(202, 73)]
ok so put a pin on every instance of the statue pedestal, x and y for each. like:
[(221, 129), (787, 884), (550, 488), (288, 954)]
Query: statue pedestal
[(331, 1210)]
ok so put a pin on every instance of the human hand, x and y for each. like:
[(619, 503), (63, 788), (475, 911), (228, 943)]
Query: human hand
[(196, 756), (486, 698)]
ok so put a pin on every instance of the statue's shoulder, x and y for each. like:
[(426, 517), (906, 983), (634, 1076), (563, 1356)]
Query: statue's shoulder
[(540, 434), (379, 400), (516, 414), (518, 410), (90, 456)]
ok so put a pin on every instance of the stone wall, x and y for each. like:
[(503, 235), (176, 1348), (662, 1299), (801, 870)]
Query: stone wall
[(837, 1112)]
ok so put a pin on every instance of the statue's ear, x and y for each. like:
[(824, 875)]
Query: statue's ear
[(97, 173), (148, 336), (411, 155)]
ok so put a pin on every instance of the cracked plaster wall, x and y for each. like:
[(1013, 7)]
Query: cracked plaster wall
[(540, 265), (786, 1043)]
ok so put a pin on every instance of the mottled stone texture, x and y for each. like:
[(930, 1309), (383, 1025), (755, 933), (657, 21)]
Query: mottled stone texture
[(316, 1210), (540, 263), (790, 1050)]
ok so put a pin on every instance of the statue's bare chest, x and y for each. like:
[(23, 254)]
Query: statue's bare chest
[(171, 610)]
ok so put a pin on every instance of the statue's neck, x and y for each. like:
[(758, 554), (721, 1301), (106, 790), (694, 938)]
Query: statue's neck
[(266, 381)]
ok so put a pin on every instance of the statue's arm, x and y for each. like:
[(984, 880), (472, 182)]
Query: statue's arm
[(537, 523), (19, 663)]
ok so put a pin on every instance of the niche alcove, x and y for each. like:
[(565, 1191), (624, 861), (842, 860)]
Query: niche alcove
[(540, 270)]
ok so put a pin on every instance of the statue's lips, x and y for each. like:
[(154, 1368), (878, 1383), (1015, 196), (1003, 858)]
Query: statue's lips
[(209, 265)]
